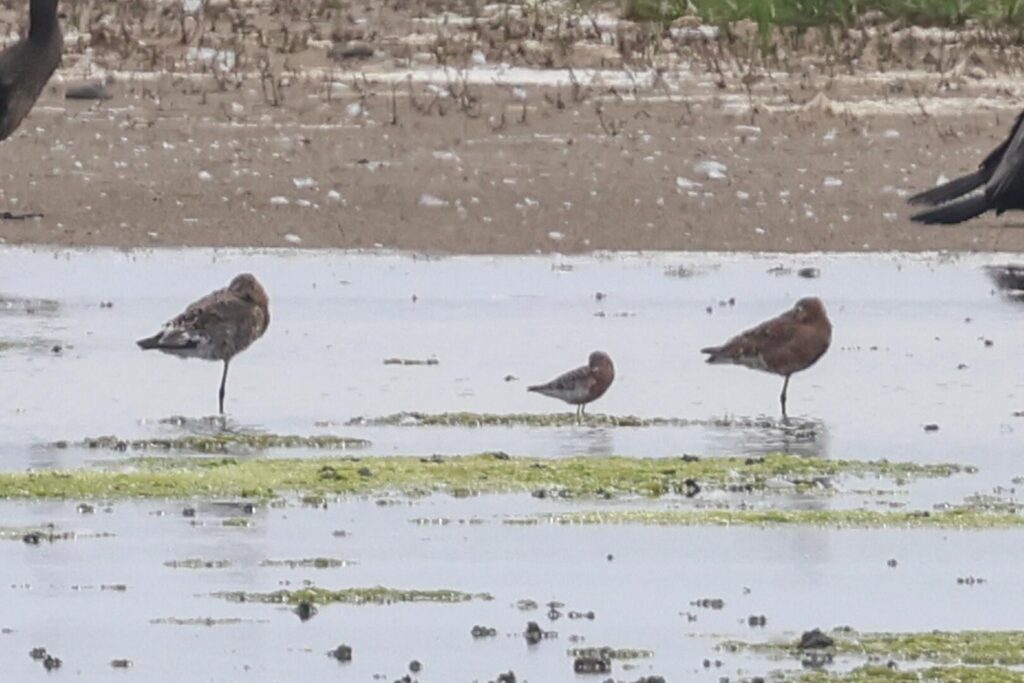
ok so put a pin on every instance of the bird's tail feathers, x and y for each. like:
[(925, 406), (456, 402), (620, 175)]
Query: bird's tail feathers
[(951, 190), (957, 212)]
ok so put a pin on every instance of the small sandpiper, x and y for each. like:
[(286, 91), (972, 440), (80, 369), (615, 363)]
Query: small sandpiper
[(582, 385)]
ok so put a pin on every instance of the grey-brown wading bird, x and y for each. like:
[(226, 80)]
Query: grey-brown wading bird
[(1000, 175), (26, 66), (217, 327), (789, 343), (582, 385)]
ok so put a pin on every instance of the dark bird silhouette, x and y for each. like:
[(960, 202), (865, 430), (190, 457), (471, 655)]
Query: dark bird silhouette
[(786, 344), (582, 385), (26, 66), (217, 327), (1000, 174)]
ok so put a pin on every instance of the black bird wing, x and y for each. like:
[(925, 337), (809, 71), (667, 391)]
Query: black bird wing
[(970, 182), (7, 91), (951, 190), (950, 213)]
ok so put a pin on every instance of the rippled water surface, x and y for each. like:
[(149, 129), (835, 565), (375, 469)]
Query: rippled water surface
[(918, 341)]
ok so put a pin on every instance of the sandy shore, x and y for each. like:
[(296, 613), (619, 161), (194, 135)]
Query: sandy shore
[(480, 159)]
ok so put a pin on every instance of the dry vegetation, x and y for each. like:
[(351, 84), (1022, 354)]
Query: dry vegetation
[(280, 41)]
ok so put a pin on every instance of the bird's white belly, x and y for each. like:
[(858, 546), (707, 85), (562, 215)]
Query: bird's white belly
[(203, 349), (754, 362), (573, 395)]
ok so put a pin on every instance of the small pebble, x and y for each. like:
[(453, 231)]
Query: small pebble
[(305, 610), (343, 653)]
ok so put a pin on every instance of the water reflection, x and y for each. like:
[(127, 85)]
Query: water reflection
[(1008, 279), (585, 441), (800, 436)]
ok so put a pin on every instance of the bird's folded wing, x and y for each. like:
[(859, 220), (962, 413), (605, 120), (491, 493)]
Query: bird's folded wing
[(758, 340), (574, 379), (801, 348), (210, 311)]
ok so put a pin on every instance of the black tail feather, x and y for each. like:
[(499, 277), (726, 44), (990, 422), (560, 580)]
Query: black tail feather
[(951, 190), (957, 212)]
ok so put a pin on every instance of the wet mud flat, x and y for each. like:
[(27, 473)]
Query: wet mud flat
[(430, 513), (457, 137), (693, 169)]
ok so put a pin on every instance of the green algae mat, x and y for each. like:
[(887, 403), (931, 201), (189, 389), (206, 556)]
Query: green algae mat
[(942, 656), (598, 477)]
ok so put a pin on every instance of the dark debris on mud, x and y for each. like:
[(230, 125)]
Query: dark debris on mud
[(814, 640), (483, 632), (342, 653), (48, 661), (534, 634), (197, 563)]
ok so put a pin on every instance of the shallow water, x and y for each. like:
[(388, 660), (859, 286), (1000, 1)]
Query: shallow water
[(797, 578), (903, 326), (900, 334)]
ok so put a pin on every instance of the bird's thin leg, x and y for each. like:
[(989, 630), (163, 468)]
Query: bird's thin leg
[(782, 399), (578, 413), (583, 410), (223, 382)]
